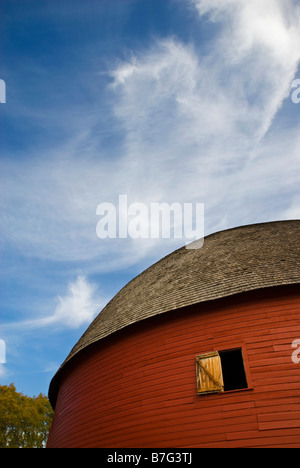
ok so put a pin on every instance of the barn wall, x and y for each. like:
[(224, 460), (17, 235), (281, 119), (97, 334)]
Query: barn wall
[(137, 388)]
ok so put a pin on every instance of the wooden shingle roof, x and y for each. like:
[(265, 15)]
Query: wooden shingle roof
[(230, 262)]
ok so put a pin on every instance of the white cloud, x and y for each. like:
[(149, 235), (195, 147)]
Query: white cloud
[(260, 42), (77, 307), (269, 28)]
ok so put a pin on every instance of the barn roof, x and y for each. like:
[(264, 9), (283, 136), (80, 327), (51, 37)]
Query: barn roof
[(230, 262)]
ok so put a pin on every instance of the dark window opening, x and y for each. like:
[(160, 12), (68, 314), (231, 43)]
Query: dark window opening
[(233, 369)]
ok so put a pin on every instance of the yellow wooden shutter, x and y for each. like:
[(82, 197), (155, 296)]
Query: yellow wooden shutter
[(209, 373)]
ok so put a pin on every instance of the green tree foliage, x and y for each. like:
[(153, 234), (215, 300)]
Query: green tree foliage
[(24, 421)]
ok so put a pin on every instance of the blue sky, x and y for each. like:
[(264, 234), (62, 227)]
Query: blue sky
[(161, 100)]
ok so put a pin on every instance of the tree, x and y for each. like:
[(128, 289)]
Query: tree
[(24, 421)]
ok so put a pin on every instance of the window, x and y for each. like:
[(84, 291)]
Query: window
[(221, 371)]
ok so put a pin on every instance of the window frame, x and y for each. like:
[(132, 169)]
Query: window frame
[(220, 349)]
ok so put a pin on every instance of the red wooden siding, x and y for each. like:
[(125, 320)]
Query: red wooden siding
[(138, 387)]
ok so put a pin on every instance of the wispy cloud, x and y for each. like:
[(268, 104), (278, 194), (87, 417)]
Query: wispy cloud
[(200, 126), (171, 94), (260, 42), (76, 308)]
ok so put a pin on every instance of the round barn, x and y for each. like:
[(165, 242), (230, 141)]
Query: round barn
[(200, 350)]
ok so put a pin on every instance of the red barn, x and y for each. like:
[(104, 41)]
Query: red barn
[(200, 350)]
